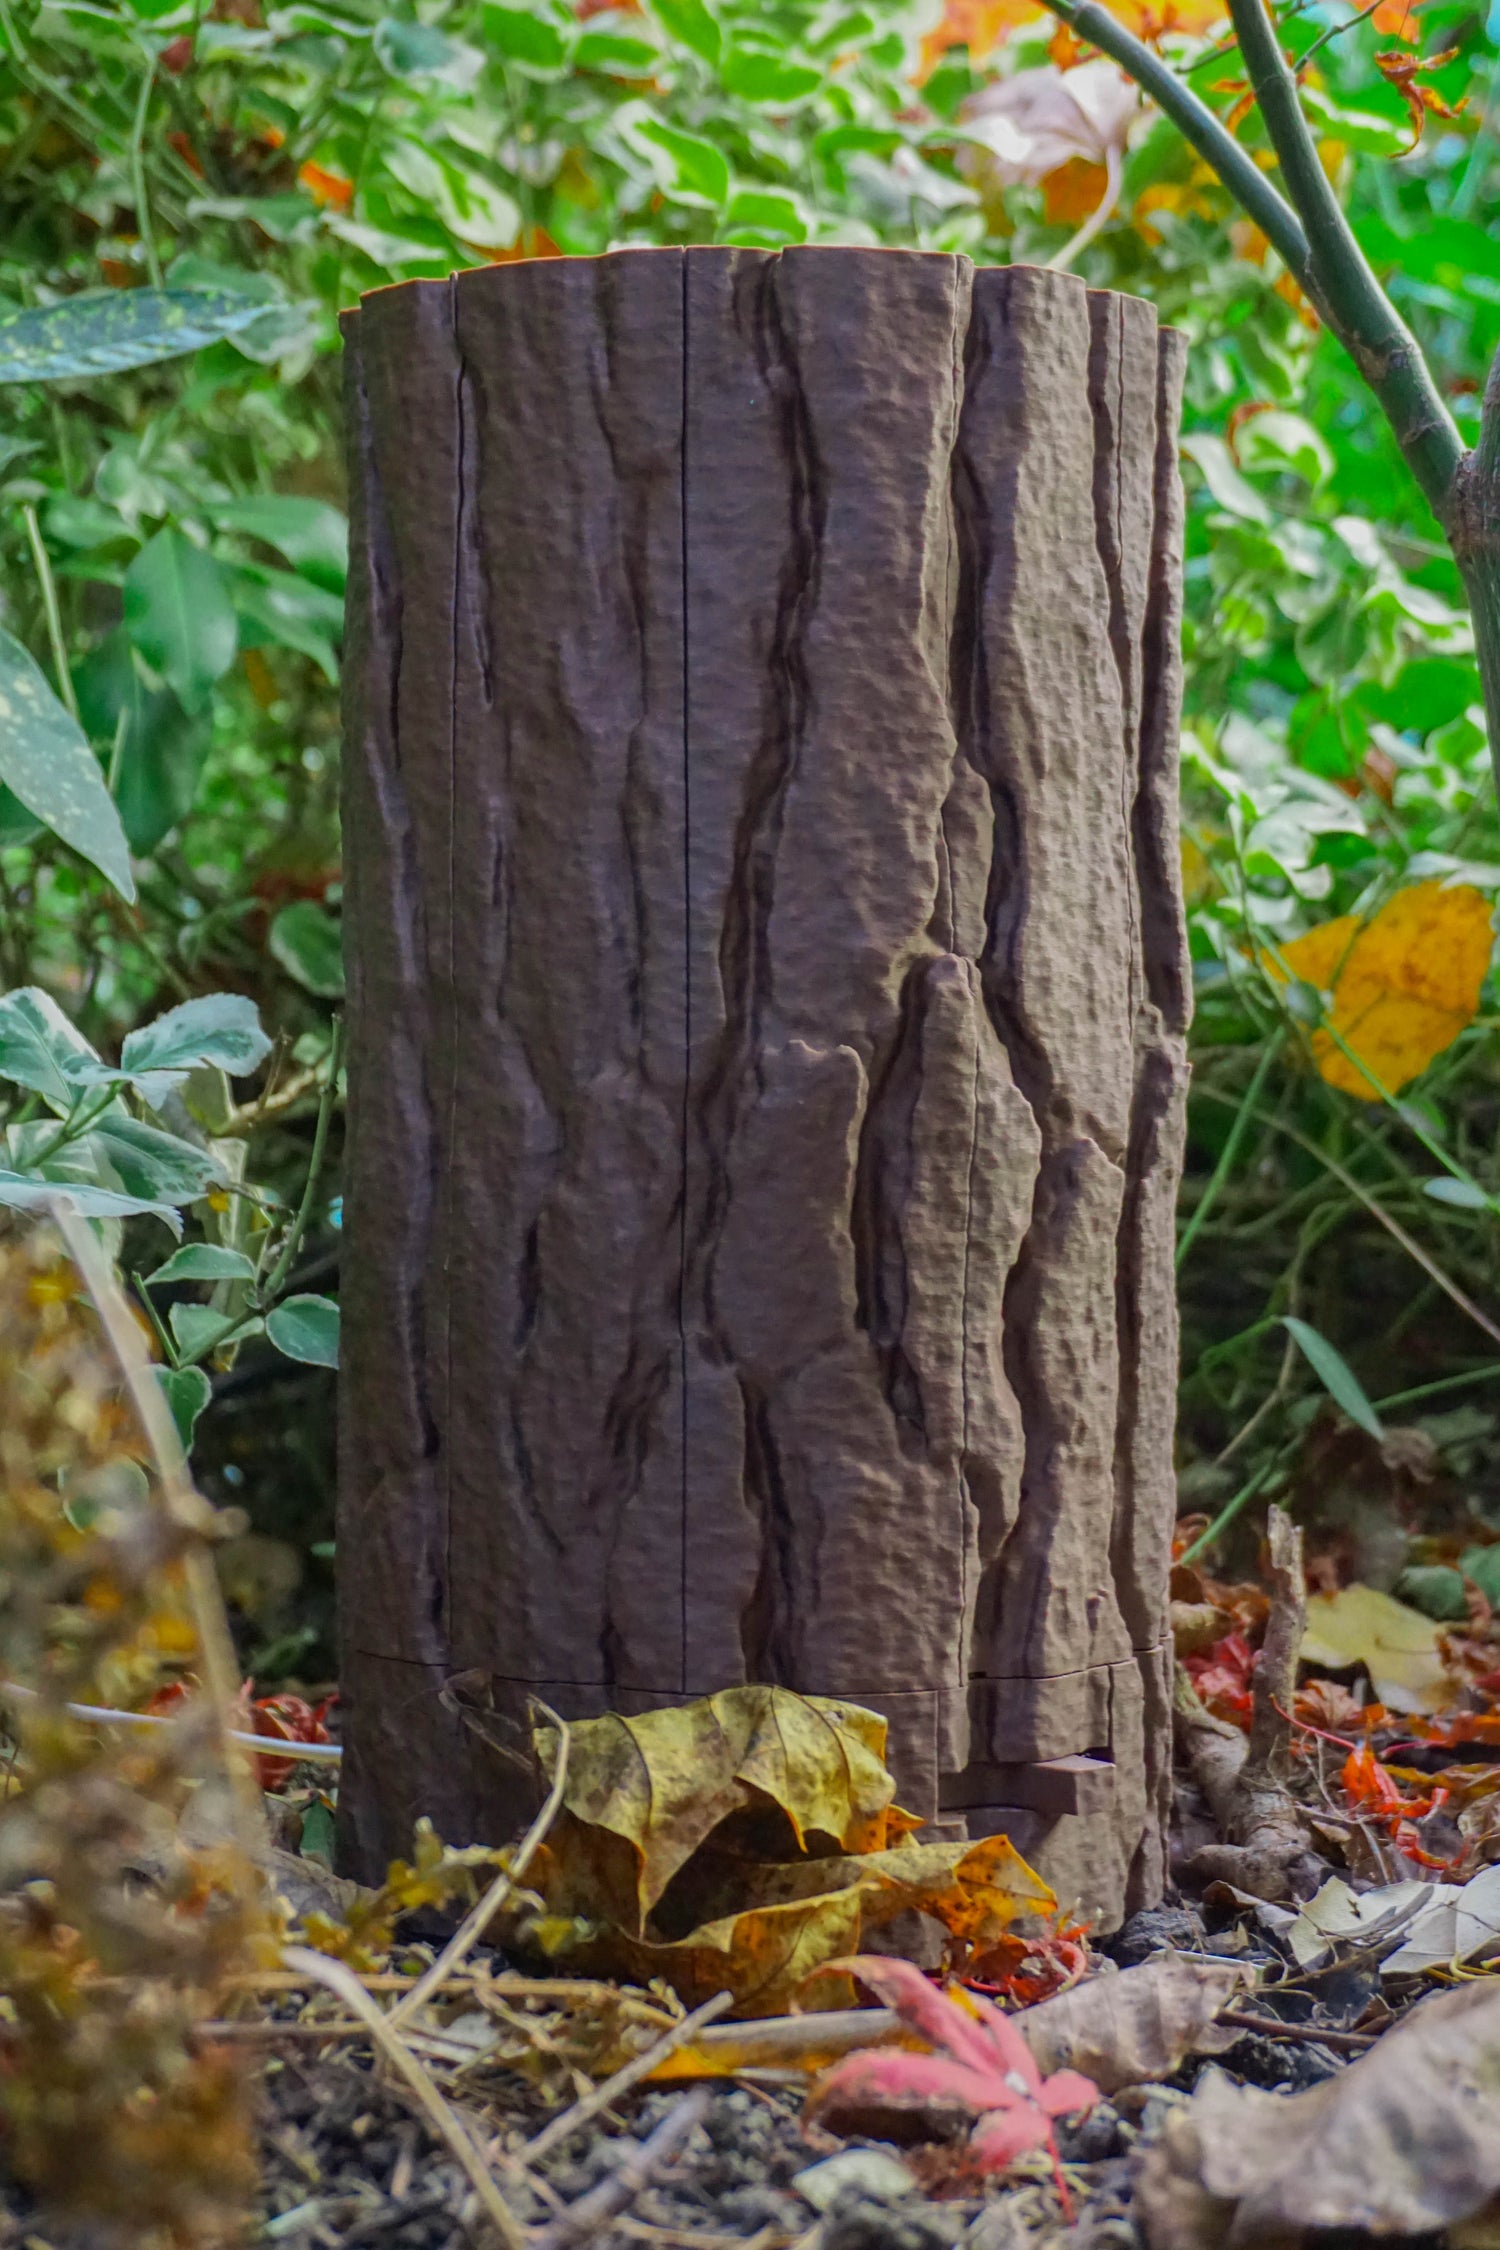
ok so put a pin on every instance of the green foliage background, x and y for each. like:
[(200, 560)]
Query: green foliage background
[(176, 530)]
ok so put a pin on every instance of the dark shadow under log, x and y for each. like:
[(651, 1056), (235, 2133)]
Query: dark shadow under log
[(767, 1003)]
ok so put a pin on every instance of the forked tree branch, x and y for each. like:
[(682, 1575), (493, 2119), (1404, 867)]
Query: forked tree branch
[(1305, 226)]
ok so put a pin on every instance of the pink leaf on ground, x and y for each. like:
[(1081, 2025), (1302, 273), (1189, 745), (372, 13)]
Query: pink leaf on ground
[(985, 2067)]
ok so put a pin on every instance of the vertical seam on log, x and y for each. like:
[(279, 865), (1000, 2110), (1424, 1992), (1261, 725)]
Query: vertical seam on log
[(687, 975), (451, 1121)]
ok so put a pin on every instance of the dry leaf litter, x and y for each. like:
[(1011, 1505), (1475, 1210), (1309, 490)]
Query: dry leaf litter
[(665, 2015)]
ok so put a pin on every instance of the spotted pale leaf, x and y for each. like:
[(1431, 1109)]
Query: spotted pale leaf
[(101, 331), (47, 763)]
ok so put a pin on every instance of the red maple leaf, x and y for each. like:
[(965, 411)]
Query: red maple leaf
[(982, 2064)]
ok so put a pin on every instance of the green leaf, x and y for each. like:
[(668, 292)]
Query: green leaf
[(691, 24), (205, 1261), (1278, 440), (148, 1162), (103, 330), (765, 215), (1435, 1590), (525, 35), (223, 1028), (311, 534), (471, 207), (23, 1192), (409, 49), (689, 169), (187, 1391), (198, 1330), (40, 1049), (615, 52), (308, 944), (1214, 459), (46, 762), (179, 615), (1335, 1374), (274, 609), (1463, 1195), (1482, 1565), (306, 1328), (756, 75), (158, 757)]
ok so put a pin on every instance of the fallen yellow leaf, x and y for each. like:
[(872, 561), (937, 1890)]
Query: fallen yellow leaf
[(740, 1842), (1401, 986), (1397, 1646)]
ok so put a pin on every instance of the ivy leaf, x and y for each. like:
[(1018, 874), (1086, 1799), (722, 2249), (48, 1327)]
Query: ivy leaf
[(188, 1390), (756, 75), (688, 168), (41, 1050), (151, 1163), (527, 36), (47, 764), (306, 1328), (180, 617), (308, 944), (222, 1028), (198, 1329), (204, 1261), (690, 23), (23, 1192), (101, 331)]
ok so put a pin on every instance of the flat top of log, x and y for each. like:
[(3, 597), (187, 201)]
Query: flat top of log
[(705, 252)]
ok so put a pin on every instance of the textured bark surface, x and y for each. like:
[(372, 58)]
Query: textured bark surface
[(767, 999)]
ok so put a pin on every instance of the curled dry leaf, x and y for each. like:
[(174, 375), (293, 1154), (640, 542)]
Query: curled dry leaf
[(742, 1842), (1135, 2028), (1405, 2141)]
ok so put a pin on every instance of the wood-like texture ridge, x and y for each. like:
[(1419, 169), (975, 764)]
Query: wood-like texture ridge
[(767, 996)]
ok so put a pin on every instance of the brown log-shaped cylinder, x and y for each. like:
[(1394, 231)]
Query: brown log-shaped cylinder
[(767, 995)]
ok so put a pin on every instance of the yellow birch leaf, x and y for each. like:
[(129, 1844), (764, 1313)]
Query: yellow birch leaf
[(1400, 987)]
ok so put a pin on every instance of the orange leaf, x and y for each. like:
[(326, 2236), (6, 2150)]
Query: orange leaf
[(1402, 986), (329, 190), (1073, 192), (1395, 19)]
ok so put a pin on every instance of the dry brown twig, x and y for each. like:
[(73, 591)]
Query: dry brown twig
[(592, 2105), (478, 1919), (345, 1984), (595, 2210), (1266, 1852)]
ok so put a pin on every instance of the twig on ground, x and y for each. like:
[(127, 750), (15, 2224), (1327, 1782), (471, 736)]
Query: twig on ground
[(554, 2134), (105, 1715), (1266, 1851), (342, 1981), (475, 1923), (605, 2202), (1304, 2034)]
